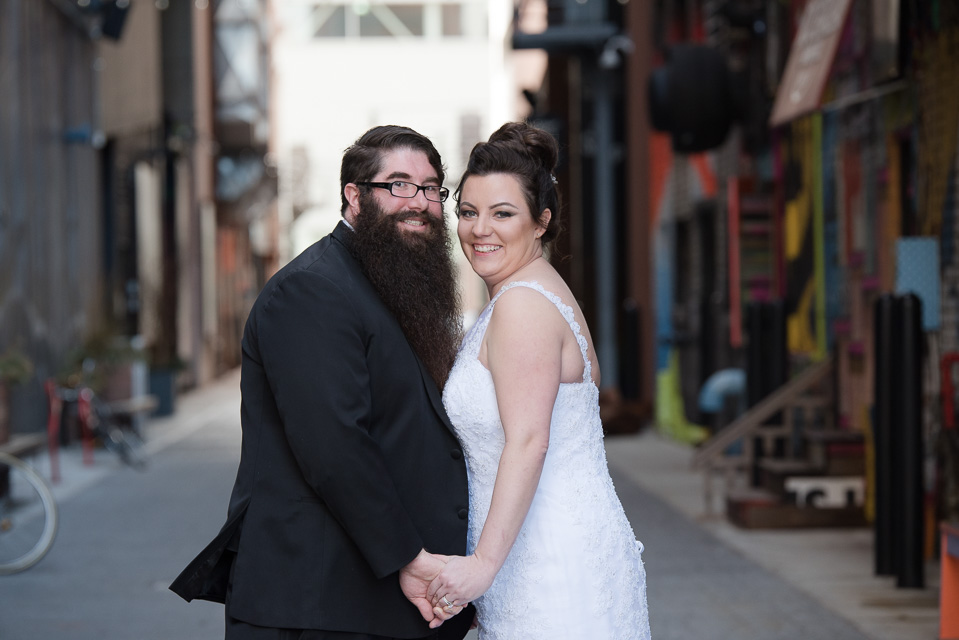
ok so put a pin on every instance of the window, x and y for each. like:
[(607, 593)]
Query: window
[(410, 16), (391, 20), (330, 22)]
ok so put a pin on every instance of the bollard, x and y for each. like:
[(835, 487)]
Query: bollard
[(886, 337), (909, 438), (54, 410)]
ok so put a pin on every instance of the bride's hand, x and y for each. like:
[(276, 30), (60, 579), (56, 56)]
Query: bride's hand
[(461, 581)]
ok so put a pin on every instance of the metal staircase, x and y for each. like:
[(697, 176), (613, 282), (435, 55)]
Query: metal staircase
[(790, 473)]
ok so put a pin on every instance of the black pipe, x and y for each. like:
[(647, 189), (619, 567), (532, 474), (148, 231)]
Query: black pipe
[(885, 337), (755, 373), (894, 442), (630, 364), (754, 353), (777, 361), (910, 455), (565, 38)]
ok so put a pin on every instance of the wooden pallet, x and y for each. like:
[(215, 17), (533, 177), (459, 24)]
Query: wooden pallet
[(759, 509)]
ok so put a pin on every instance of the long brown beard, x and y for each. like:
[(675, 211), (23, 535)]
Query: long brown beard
[(416, 279)]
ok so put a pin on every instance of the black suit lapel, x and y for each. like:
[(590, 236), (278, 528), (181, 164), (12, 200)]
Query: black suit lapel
[(434, 393)]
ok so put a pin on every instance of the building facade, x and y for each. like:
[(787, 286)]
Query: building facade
[(136, 226), (779, 286)]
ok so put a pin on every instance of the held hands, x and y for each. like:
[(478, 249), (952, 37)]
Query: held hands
[(415, 579), (460, 581)]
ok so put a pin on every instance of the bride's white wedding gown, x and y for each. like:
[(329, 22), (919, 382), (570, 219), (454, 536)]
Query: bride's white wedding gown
[(576, 569)]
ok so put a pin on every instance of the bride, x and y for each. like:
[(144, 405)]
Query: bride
[(551, 553)]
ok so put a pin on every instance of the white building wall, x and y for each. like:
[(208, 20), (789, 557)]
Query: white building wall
[(328, 91)]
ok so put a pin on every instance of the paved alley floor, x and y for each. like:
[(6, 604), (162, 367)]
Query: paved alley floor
[(124, 535)]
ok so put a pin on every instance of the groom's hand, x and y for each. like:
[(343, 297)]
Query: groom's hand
[(415, 579)]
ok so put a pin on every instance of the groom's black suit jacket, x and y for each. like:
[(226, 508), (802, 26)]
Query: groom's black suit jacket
[(348, 466)]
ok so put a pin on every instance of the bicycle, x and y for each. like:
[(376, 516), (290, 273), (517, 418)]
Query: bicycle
[(28, 515), (112, 423), (101, 421)]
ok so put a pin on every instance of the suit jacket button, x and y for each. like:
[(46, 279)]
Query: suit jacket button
[(456, 454), (462, 513)]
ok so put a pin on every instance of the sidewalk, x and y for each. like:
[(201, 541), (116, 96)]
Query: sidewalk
[(833, 566)]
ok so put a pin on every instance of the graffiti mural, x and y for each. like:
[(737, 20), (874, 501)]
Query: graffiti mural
[(804, 295)]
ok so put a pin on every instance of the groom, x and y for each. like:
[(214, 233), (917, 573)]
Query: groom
[(350, 475)]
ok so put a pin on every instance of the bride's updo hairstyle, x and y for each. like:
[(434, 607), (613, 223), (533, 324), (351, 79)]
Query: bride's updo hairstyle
[(528, 154)]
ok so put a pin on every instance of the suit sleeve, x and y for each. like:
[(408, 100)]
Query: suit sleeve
[(313, 346)]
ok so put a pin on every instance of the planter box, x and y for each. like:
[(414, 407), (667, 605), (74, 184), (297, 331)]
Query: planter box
[(163, 386)]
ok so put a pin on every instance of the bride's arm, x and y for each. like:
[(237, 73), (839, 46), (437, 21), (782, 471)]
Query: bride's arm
[(524, 356)]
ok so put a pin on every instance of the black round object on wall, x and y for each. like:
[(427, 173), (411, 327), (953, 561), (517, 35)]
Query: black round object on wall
[(691, 98)]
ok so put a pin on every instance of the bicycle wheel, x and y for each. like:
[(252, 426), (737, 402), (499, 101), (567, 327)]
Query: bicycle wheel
[(28, 516)]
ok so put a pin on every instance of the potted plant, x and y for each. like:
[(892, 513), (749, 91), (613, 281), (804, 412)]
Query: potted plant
[(15, 368)]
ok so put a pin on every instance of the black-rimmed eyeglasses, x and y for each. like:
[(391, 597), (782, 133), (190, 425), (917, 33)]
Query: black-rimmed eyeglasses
[(402, 189)]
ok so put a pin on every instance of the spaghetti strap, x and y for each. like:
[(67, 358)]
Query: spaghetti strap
[(564, 309)]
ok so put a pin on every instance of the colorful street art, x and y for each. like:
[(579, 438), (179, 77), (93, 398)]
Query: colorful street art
[(674, 183), (803, 241)]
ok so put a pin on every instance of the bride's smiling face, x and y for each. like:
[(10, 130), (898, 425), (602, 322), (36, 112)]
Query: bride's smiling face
[(496, 229)]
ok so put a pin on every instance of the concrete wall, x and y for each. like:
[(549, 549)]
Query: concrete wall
[(130, 75), (50, 237)]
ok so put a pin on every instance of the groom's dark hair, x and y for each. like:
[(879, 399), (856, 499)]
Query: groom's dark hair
[(363, 158)]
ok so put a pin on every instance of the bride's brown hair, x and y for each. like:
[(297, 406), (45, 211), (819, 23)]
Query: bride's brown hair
[(530, 155)]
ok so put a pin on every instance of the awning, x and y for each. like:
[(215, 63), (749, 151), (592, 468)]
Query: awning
[(810, 59)]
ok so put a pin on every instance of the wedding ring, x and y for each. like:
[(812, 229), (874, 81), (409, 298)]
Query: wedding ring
[(446, 602)]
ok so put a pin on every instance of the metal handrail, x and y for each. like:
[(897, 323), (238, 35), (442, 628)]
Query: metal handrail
[(750, 422)]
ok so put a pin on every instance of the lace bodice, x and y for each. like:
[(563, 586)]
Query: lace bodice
[(576, 547)]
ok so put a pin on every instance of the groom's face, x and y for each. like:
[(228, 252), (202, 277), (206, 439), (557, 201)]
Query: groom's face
[(412, 217), (401, 240)]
